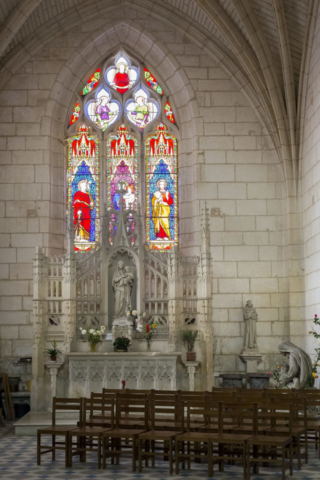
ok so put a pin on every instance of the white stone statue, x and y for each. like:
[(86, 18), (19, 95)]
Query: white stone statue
[(250, 317), (122, 284), (297, 373)]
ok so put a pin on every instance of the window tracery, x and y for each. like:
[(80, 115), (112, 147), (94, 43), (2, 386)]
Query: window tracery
[(124, 103)]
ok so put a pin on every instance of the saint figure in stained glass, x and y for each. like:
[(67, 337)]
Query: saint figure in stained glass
[(162, 190), (83, 205), (141, 110), (161, 202), (83, 187), (103, 111), (122, 168), (122, 75)]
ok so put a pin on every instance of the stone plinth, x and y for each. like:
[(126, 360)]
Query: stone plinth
[(232, 380), (191, 368), (251, 358), (258, 380), (91, 372), (122, 327), (53, 368)]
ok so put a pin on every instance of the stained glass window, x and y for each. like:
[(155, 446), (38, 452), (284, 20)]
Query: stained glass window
[(103, 111), (141, 110), (169, 113), (122, 75), (84, 187), (152, 82), (122, 169), (92, 82), (162, 190), (76, 113)]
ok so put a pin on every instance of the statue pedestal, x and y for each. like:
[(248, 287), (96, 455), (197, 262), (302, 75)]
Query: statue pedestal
[(122, 327), (251, 358)]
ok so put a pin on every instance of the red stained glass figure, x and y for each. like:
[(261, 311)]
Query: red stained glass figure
[(76, 113), (169, 113), (92, 82)]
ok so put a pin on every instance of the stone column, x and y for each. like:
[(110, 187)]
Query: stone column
[(191, 368), (53, 368)]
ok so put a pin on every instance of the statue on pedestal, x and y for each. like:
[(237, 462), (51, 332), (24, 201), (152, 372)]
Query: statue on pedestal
[(250, 317), (122, 284)]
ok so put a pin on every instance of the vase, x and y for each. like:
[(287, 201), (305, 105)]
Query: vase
[(93, 347), (121, 349), (53, 358), (148, 346), (191, 356)]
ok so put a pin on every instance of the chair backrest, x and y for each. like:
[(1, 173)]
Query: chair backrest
[(278, 414), (66, 404), (235, 412), (98, 408), (112, 390), (132, 404), (164, 409)]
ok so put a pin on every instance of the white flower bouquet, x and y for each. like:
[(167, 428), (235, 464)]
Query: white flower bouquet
[(94, 336)]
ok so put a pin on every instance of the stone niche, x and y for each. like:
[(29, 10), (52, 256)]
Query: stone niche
[(128, 261)]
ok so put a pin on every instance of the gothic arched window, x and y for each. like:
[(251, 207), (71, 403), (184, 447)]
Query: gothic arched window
[(124, 104)]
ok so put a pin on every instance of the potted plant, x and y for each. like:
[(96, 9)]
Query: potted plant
[(121, 344), (189, 339), (94, 336), (53, 352)]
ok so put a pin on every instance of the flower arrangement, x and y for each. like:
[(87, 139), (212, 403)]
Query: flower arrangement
[(147, 332), (276, 377), (121, 344), (53, 352), (94, 336), (137, 317)]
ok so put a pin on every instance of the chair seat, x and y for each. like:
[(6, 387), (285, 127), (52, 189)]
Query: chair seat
[(89, 431), (158, 435), (296, 430), (123, 433), (233, 438), (248, 429), (196, 437), (269, 440), (57, 428)]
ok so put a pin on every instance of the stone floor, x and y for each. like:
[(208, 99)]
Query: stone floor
[(18, 462)]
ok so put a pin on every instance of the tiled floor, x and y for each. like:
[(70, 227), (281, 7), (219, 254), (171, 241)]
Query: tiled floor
[(18, 462)]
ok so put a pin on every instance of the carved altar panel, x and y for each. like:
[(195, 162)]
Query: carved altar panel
[(140, 370)]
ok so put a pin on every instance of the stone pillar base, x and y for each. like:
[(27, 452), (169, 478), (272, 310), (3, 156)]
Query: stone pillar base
[(251, 360)]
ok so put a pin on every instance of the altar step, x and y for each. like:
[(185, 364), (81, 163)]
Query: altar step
[(32, 421)]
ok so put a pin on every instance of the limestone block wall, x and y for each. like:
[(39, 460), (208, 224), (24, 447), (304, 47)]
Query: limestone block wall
[(310, 191), (226, 159)]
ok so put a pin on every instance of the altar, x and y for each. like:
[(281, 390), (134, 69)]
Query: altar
[(92, 372), (86, 290)]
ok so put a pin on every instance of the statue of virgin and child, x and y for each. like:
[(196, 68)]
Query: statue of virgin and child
[(122, 284)]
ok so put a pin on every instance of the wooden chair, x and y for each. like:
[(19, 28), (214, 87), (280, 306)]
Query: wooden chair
[(89, 438), (232, 446), (265, 447), (162, 433), (66, 404), (199, 443), (113, 445)]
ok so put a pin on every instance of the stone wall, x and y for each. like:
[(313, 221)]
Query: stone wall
[(310, 190), (226, 158)]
